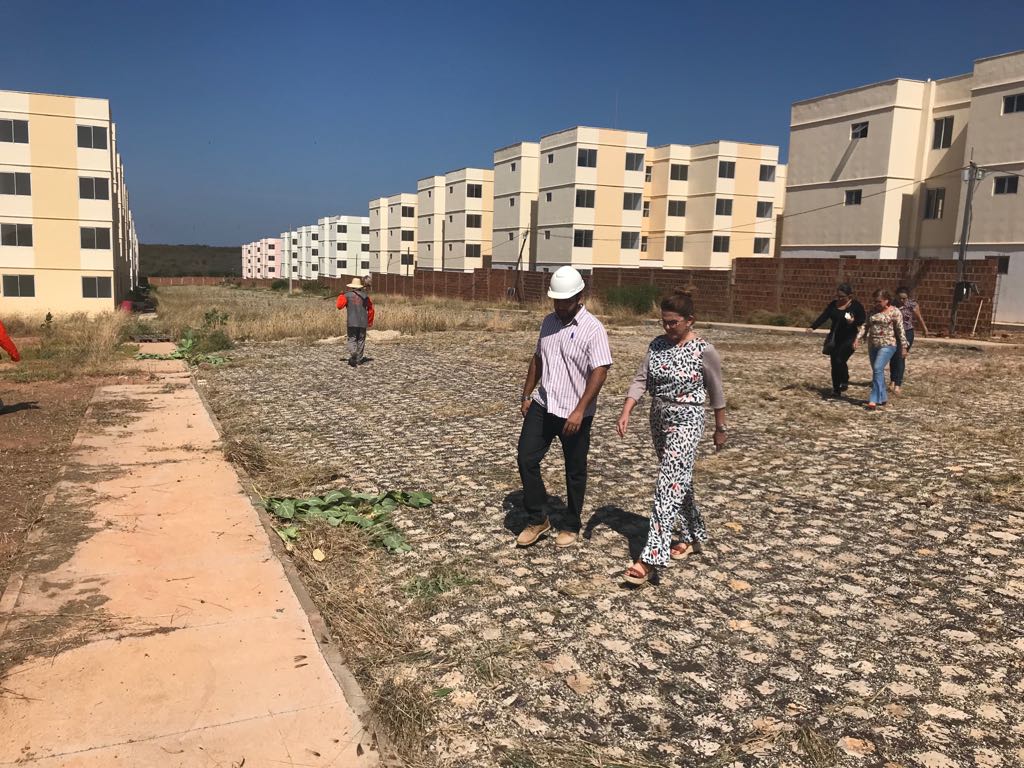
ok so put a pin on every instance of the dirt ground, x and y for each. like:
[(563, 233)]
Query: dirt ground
[(38, 421), (859, 603)]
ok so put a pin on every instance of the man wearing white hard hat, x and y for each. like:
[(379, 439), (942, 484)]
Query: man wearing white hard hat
[(360, 317), (570, 363)]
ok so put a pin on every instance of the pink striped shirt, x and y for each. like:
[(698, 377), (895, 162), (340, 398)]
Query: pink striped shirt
[(569, 353)]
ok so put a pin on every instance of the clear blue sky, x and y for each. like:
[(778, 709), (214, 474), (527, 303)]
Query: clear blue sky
[(238, 120)]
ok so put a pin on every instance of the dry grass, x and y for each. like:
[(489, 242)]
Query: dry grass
[(71, 346)]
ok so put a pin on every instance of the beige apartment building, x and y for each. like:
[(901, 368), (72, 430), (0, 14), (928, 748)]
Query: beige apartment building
[(516, 188), (430, 195), (262, 259), (877, 172), (469, 215), (393, 238), (67, 237)]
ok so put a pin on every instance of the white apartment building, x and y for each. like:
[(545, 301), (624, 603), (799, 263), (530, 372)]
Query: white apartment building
[(468, 225), (307, 251), (876, 172), (344, 245), (393, 239), (430, 194), (516, 188), (67, 237), (263, 259)]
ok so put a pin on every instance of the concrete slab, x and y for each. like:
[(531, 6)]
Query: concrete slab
[(170, 634)]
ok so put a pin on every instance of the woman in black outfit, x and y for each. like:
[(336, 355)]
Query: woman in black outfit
[(847, 316)]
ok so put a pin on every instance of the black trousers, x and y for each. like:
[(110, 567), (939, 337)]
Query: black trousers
[(540, 428), (840, 370)]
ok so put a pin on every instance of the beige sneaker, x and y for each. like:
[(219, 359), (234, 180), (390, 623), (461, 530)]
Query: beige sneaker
[(531, 533), (566, 539)]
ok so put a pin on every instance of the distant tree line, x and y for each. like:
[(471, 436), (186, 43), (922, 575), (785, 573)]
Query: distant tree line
[(159, 260)]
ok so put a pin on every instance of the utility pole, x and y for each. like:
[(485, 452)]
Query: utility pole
[(962, 289), (442, 242)]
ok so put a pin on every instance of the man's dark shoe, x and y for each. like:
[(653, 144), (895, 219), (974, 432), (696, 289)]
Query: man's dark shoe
[(352, 361)]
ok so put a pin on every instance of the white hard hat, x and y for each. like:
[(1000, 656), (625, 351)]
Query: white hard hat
[(565, 283)]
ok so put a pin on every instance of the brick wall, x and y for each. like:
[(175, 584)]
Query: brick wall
[(773, 285)]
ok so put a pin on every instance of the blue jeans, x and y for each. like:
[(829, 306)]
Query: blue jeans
[(880, 358), (898, 366)]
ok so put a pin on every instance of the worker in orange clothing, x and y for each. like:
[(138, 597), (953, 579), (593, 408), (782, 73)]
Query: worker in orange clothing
[(7, 345), (360, 317)]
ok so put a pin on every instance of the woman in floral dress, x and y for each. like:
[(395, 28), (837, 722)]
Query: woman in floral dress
[(886, 338), (681, 371)]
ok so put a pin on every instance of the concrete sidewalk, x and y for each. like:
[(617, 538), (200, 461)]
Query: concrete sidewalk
[(154, 622)]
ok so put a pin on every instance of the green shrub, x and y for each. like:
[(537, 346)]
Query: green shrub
[(279, 285), (640, 299)]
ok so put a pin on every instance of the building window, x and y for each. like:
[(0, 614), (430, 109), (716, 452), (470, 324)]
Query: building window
[(510, 236), (15, 131), (513, 167), (1006, 185), (634, 161), (342, 265), (315, 236), (762, 244), (676, 207), (547, 234), (934, 202), (853, 196), (674, 243), (551, 158), (643, 244), (1003, 265), (723, 206), (630, 240), (314, 267), (943, 133), (473, 250), (15, 184), (583, 238), (474, 190), (342, 229), (96, 288), (720, 244), (408, 212), (271, 270), (96, 237), (294, 268), (547, 197), (584, 198), (342, 246), (365, 247), (407, 260), (586, 158), (631, 201), (764, 209), (1013, 103), (295, 242), (648, 173), (366, 230), (767, 173), (473, 221), (92, 137), (316, 251), (859, 131), (451, 219), (93, 189), (726, 169), (511, 202), (407, 235), (272, 246), (270, 257), (22, 286), (647, 208), (679, 172), (364, 265)]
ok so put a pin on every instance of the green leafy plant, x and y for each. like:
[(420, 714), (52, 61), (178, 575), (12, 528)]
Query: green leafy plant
[(370, 512), (639, 299)]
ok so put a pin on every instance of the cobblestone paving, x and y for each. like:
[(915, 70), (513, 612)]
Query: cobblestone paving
[(859, 603)]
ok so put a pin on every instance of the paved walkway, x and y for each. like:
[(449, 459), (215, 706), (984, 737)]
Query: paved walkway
[(154, 624)]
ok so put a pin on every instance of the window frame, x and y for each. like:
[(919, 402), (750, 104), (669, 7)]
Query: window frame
[(474, 221), (92, 235), (942, 136), (411, 236), (859, 130), (97, 281), (21, 183), (586, 157), (92, 131), (727, 169), (767, 242), (680, 213), (408, 212), (589, 195), (760, 206), (675, 243), (934, 203), (853, 197), (629, 241), (679, 172), (630, 195), (477, 247), (14, 132), (634, 156), (1007, 183), (18, 281), (1015, 102), (723, 203), (583, 238), (771, 169), (478, 188), (718, 240), (91, 182)]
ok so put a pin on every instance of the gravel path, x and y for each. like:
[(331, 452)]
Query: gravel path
[(859, 603)]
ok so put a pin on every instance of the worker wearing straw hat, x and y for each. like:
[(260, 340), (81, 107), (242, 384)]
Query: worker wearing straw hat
[(360, 317)]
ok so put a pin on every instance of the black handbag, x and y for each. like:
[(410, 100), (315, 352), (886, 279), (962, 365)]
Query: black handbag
[(830, 343)]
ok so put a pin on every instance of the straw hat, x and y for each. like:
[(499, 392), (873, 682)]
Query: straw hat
[(356, 283)]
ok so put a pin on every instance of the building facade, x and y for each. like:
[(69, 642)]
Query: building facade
[(262, 259), (878, 172), (516, 188), (430, 196), (393, 240), (67, 236), (344, 245)]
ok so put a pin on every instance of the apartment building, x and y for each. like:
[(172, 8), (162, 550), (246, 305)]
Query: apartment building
[(430, 196), (262, 259), (393, 239), (707, 204), (877, 172), (469, 214), (516, 188), (67, 236), (344, 245)]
